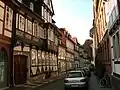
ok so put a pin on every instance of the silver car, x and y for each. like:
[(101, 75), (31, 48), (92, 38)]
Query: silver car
[(76, 79)]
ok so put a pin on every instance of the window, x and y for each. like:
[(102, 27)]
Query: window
[(42, 12), (21, 22), (56, 40), (45, 14), (74, 74), (44, 33), (114, 14), (1, 27), (114, 47), (34, 54), (118, 44), (31, 6), (38, 31), (35, 29), (116, 10), (110, 20), (1, 13), (48, 17), (19, 1), (41, 32), (47, 58), (8, 18), (39, 58), (43, 58), (29, 28), (49, 33), (52, 35)]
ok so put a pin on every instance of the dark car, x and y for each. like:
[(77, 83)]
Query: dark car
[(87, 71)]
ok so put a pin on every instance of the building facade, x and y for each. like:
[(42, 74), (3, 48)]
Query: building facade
[(76, 54), (29, 37), (101, 37), (82, 56), (6, 29), (52, 48), (62, 51), (70, 52), (114, 29)]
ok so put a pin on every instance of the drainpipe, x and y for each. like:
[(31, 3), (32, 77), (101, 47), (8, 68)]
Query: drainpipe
[(13, 40), (57, 59)]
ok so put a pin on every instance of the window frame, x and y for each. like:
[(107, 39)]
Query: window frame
[(29, 31), (32, 6), (21, 25), (10, 18)]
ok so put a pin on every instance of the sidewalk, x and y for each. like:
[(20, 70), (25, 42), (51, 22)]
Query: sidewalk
[(32, 85), (94, 84)]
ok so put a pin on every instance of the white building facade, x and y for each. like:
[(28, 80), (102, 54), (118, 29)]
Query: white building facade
[(114, 32)]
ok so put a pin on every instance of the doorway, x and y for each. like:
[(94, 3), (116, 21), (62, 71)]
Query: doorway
[(3, 68), (20, 69)]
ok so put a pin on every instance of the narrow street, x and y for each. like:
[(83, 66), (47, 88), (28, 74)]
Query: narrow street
[(59, 85)]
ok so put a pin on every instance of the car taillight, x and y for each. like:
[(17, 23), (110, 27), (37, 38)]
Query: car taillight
[(65, 81), (83, 80)]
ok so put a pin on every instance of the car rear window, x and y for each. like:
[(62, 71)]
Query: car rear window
[(74, 74)]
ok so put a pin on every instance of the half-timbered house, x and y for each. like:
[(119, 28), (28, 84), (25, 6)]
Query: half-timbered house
[(6, 19)]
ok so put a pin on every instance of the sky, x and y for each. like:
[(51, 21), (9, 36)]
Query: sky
[(74, 15)]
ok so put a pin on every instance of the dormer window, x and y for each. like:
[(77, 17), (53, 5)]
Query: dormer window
[(19, 1), (31, 6)]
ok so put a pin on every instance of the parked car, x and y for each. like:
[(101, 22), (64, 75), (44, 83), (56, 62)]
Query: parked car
[(87, 71), (76, 79), (92, 67)]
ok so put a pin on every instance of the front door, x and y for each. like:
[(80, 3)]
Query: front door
[(3, 68), (20, 69)]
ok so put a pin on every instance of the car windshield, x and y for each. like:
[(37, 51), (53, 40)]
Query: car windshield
[(74, 74)]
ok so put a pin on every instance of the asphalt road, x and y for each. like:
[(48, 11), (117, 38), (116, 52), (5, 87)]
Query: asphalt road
[(55, 85), (59, 85)]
